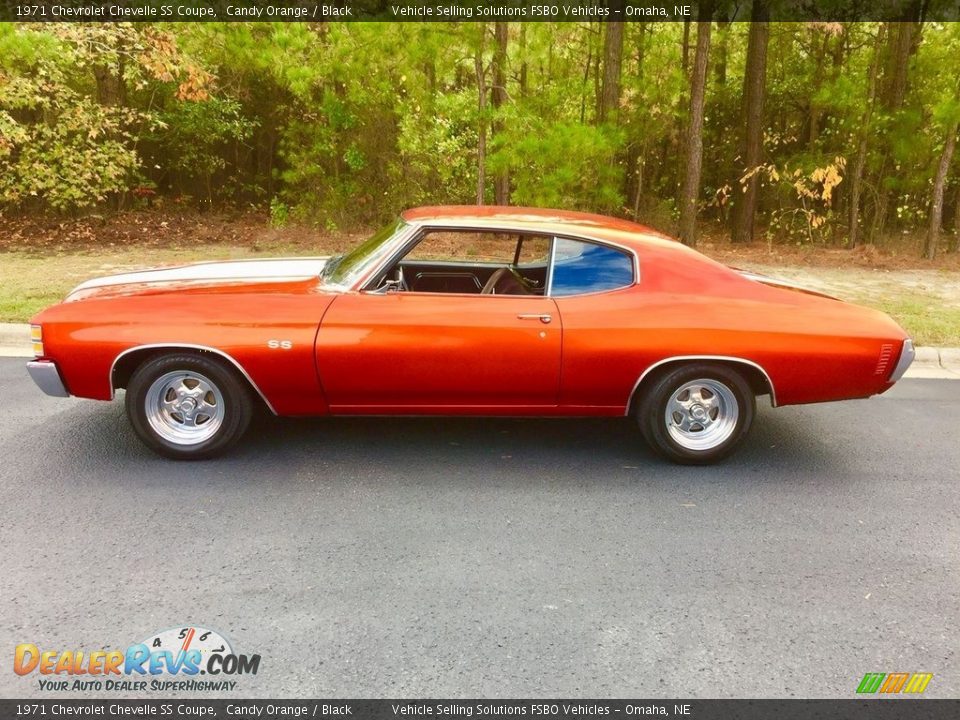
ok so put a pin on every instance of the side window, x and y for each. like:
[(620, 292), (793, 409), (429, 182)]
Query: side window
[(534, 250), (582, 267), (456, 245), (483, 262)]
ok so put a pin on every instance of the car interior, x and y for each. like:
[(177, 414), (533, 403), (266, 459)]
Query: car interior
[(481, 263)]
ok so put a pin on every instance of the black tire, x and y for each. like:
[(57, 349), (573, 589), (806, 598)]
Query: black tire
[(219, 416), (732, 396)]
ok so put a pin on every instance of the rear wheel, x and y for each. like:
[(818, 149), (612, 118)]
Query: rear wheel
[(188, 407), (696, 414)]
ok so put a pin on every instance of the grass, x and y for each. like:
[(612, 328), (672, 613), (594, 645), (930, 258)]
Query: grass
[(926, 320), (30, 282), (925, 302)]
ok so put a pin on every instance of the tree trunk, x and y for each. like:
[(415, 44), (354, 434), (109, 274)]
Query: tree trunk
[(111, 87), (481, 74), (902, 37), (586, 78), (641, 47), (754, 90), (597, 81), (815, 109), (523, 60), (955, 240), (685, 48), (939, 185), (691, 181), (112, 92), (638, 179), (901, 48), (612, 63), (721, 53), (633, 181), (863, 133), (498, 96)]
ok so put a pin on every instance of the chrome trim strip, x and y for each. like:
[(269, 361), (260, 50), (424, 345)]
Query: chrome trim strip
[(47, 377), (247, 270), (907, 355), (551, 263), (725, 358), (402, 239), (592, 241), (775, 282), (189, 346)]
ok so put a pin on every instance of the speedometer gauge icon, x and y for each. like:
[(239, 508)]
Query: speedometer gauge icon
[(180, 640)]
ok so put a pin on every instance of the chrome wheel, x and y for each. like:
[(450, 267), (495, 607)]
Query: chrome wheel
[(184, 407), (701, 414)]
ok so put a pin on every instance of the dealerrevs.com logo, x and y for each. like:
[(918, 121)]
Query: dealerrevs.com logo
[(170, 660)]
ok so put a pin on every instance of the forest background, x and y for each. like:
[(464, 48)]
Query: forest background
[(828, 133)]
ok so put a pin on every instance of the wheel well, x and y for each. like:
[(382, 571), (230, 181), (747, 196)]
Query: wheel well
[(755, 376), (126, 366)]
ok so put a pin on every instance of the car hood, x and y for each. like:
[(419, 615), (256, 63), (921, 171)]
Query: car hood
[(197, 275)]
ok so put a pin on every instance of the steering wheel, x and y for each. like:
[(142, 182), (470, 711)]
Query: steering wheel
[(507, 281)]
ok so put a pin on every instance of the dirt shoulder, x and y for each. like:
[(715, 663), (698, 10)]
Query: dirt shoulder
[(169, 229)]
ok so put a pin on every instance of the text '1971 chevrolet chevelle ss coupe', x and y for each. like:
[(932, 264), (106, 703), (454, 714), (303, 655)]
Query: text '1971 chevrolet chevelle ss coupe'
[(465, 311)]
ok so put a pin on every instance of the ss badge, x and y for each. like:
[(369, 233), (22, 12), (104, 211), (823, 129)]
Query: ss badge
[(279, 344)]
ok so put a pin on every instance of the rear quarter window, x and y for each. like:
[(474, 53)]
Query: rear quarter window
[(582, 267)]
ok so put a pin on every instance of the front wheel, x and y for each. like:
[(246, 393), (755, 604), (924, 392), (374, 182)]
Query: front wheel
[(696, 414), (187, 407)]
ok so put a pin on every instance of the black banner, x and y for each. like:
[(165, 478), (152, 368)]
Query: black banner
[(470, 10), (873, 709)]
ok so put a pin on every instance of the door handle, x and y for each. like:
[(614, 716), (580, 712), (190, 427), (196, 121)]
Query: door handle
[(545, 319)]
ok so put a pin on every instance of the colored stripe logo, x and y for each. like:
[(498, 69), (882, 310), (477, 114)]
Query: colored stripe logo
[(914, 683)]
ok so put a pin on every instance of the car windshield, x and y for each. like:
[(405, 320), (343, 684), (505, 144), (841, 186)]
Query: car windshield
[(343, 270)]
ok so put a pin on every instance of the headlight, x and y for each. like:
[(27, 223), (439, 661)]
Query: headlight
[(36, 337)]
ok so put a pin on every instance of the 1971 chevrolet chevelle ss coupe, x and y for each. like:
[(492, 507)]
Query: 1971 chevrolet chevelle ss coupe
[(465, 311)]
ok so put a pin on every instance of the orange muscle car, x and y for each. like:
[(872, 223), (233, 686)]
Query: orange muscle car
[(465, 311)]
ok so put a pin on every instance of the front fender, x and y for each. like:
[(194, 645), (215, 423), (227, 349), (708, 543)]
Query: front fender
[(269, 339)]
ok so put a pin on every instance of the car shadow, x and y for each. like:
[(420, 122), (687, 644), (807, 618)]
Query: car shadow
[(98, 437)]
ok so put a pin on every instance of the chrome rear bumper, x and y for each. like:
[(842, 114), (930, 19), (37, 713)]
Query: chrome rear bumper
[(907, 354), (47, 377)]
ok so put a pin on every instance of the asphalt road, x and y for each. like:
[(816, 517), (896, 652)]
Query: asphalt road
[(437, 557)]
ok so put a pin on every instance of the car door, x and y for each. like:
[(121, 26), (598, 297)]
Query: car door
[(435, 352), (395, 348)]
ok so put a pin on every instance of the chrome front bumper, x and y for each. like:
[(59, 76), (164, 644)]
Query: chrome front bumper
[(47, 377), (907, 354)]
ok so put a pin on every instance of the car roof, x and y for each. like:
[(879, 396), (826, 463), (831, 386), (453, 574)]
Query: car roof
[(601, 227)]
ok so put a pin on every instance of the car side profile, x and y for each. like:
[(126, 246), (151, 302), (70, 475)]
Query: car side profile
[(465, 311)]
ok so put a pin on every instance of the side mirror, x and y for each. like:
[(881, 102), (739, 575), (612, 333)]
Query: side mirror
[(387, 286)]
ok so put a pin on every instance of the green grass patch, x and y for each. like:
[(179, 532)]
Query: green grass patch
[(926, 320)]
